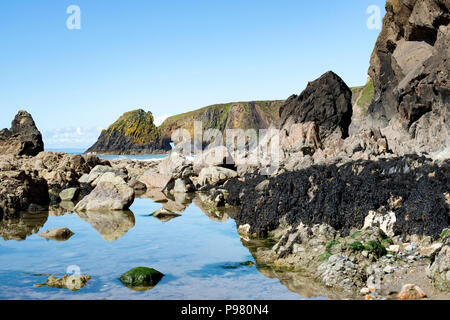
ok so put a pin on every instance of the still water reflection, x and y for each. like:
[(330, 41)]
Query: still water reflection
[(195, 246)]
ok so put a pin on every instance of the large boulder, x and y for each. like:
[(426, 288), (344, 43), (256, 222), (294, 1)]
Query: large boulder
[(410, 69), (326, 101), (216, 156), (98, 171), (111, 193), (176, 165), (215, 175), (154, 180), (23, 139)]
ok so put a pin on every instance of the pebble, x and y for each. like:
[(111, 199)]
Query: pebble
[(389, 269), (394, 248)]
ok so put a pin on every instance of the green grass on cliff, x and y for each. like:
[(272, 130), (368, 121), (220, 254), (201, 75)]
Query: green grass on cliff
[(363, 96), (220, 113)]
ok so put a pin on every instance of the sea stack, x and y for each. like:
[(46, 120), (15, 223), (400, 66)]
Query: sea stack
[(133, 133), (23, 139)]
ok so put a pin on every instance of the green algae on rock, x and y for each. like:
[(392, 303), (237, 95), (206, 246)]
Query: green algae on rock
[(141, 278), (133, 133)]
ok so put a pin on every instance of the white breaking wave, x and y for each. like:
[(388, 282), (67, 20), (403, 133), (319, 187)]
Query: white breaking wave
[(158, 121)]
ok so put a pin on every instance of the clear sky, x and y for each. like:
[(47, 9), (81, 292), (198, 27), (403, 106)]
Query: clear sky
[(169, 56)]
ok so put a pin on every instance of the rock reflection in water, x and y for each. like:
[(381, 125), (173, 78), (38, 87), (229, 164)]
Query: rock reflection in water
[(27, 224), (217, 214), (295, 281), (111, 225), (164, 215), (172, 205)]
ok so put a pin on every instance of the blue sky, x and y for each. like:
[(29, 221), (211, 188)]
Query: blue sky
[(169, 56)]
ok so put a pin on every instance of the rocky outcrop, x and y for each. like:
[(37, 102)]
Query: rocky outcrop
[(110, 193), (343, 196), (133, 133), (410, 70), (326, 101), (20, 191), (23, 139), (59, 171)]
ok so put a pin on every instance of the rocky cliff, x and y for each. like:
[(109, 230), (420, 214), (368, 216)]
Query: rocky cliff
[(133, 133), (23, 139), (410, 70), (236, 115)]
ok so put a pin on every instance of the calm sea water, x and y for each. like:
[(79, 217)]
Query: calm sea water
[(200, 253), (200, 256)]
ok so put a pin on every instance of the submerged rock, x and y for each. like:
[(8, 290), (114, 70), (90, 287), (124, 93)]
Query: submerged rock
[(411, 292), (165, 215), (58, 234), (141, 278), (73, 283)]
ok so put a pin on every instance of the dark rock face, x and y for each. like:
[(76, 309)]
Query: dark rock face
[(326, 101), (410, 69), (23, 139), (342, 196), (19, 190), (133, 133)]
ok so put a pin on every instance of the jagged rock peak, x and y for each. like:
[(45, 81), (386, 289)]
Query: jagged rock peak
[(23, 139)]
